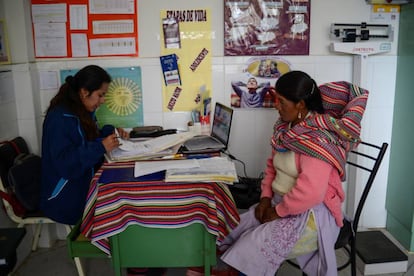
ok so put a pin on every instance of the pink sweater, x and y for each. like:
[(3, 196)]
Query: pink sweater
[(317, 182)]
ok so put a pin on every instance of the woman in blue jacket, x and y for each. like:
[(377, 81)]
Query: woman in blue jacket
[(72, 145)]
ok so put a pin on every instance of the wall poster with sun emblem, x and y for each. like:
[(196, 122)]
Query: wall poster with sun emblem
[(123, 101)]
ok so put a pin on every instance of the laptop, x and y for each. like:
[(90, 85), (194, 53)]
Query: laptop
[(219, 137)]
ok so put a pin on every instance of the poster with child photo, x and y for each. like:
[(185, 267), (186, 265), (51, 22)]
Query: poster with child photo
[(253, 87)]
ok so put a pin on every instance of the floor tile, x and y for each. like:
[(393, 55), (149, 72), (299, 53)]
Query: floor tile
[(55, 261)]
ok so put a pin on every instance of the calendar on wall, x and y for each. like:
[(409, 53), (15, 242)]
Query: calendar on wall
[(84, 28)]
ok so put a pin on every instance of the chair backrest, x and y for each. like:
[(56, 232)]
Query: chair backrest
[(367, 157)]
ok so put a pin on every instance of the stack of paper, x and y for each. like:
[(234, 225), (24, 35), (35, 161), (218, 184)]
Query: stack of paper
[(154, 147), (218, 169), (148, 167), (212, 169)]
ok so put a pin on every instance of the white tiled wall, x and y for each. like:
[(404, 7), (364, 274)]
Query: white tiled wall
[(252, 128), (8, 112)]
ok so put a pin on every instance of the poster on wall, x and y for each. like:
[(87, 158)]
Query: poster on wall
[(251, 88), (4, 45), (266, 27), (123, 100), (186, 40), (84, 28)]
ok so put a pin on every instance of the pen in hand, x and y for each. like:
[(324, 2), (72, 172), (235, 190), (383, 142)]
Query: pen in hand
[(117, 136)]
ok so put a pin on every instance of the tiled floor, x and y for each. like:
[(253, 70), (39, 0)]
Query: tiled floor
[(56, 262)]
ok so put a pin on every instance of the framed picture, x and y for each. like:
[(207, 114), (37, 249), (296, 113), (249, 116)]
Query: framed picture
[(4, 46)]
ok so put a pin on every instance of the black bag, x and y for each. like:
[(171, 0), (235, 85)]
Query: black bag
[(25, 180), (246, 192), (8, 152)]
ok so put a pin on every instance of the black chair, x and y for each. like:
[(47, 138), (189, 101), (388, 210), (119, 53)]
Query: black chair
[(366, 157)]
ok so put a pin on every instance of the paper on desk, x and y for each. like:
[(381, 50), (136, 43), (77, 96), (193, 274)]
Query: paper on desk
[(131, 146), (211, 169), (154, 147), (144, 168)]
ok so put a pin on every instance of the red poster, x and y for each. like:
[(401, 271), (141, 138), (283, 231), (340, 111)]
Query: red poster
[(84, 28), (266, 27)]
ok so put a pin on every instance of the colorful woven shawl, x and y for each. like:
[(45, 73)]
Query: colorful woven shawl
[(331, 135)]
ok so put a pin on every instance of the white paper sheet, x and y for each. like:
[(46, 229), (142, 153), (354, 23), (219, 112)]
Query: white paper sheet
[(143, 168), (112, 46), (79, 44), (50, 39), (78, 15)]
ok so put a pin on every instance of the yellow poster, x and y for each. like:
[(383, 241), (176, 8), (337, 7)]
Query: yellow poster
[(186, 40)]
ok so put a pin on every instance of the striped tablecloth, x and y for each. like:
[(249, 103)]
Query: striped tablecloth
[(116, 199)]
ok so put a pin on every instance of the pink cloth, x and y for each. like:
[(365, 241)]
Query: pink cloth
[(318, 182), (331, 135)]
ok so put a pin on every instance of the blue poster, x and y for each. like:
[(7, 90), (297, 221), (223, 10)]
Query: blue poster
[(123, 101)]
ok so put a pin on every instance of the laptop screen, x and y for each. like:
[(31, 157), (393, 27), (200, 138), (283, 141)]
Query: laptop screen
[(222, 123)]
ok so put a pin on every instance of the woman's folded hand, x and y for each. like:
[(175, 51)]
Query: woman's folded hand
[(259, 212)]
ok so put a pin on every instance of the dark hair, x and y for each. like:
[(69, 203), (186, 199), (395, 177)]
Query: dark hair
[(296, 86), (90, 78)]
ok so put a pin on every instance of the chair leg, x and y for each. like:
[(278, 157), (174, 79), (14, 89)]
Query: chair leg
[(353, 261), (77, 260), (68, 228), (36, 236), (79, 266)]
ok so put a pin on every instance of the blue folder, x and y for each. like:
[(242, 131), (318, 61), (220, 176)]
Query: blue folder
[(126, 175)]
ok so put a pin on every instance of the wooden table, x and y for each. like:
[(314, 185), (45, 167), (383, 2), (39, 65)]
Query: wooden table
[(146, 222)]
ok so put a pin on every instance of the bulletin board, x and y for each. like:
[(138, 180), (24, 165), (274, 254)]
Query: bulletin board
[(189, 46), (84, 28)]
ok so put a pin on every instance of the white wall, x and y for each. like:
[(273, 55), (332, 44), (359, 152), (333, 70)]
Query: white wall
[(252, 129)]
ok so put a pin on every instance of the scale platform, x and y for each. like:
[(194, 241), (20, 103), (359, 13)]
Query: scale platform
[(377, 254)]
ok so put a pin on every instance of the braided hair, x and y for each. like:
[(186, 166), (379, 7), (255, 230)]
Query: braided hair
[(296, 86)]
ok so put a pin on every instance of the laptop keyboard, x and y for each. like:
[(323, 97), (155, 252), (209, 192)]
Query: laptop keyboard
[(202, 142)]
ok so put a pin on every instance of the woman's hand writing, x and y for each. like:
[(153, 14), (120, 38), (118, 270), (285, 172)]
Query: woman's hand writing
[(110, 142), (123, 133)]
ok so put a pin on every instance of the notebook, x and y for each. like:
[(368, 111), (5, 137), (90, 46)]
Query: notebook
[(219, 136)]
